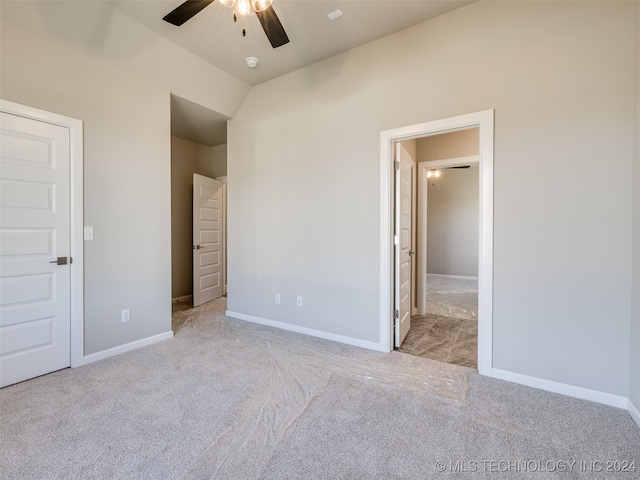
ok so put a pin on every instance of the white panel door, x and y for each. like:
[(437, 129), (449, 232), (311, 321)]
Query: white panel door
[(35, 301), (208, 237), (403, 249)]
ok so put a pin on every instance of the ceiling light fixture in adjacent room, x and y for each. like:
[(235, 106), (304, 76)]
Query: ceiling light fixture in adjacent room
[(432, 174)]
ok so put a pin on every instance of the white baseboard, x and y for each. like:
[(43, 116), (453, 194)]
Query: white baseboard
[(453, 277), (378, 347), (556, 387), (633, 411), (127, 347), (185, 299)]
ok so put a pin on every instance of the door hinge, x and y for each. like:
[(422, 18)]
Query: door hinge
[(396, 165), (396, 314)]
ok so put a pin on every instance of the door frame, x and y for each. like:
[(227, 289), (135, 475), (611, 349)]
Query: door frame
[(76, 201), (422, 230), (484, 120)]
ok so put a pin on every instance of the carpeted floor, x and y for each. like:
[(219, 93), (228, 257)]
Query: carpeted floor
[(226, 399)]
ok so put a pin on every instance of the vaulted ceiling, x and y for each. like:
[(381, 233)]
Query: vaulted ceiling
[(213, 36)]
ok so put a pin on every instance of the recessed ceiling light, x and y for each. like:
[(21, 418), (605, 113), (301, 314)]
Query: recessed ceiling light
[(335, 14)]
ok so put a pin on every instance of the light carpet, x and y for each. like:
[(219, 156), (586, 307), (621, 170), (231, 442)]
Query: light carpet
[(231, 400)]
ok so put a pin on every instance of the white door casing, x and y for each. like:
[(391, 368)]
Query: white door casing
[(485, 121), (208, 238), (404, 251), (35, 323)]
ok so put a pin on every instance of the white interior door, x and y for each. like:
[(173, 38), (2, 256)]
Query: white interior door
[(35, 297), (404, 252), (208, 237)]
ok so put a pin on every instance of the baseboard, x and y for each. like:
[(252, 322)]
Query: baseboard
[(556, 387), (453, 277), (634, 412), (184, 299), (378, 347), (127, 347)]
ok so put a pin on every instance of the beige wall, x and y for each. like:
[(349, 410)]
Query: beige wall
[(635, 306), (304, 197), (411, 147), (464, 143), (452, 223), (213, 161), (117, 78), (112, 38), (188, 158), (184, 163), (126, 180)]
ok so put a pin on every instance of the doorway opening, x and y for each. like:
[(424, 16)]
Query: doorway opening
[(445, 322), (391, 241), (198, 255)]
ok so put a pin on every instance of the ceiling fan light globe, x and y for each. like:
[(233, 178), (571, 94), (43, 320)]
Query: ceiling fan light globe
[(244, 7), (228, 3), (261, 5)]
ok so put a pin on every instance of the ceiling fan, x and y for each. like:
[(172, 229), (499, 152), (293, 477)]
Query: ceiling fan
[(262, 8)]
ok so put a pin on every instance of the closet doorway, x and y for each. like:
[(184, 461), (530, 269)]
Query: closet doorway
[(198, 146)]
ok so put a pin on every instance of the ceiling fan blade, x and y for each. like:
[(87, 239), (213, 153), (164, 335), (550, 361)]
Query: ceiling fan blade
[(185, 11), (272, 27)]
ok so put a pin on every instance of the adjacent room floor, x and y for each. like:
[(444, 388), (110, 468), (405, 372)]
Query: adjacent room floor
[(449, 330)]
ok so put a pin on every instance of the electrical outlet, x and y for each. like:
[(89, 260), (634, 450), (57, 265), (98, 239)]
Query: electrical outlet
[(126, 315), (299, 301), (277, 298)]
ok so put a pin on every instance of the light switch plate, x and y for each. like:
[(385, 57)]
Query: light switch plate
[(88, 233)]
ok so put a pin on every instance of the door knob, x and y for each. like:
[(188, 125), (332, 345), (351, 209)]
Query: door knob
[(411, 252), (197, 247), (62, 261)]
